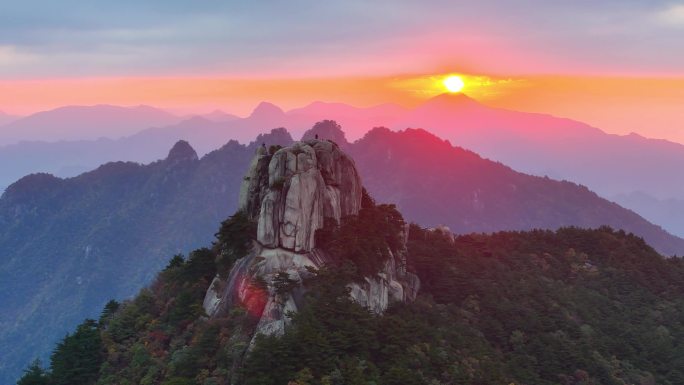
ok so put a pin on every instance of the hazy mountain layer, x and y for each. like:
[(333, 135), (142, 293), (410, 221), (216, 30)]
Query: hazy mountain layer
[(84, 122), (7, 118), (433, 182), (533, 143), (668, 213), (74, 243)]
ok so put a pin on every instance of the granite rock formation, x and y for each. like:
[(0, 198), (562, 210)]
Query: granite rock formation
[(290, 193)]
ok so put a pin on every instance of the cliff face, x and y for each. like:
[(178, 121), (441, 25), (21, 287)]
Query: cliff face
[(290, 194)]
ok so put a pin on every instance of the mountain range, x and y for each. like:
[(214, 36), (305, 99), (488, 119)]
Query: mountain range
[(84, 123), (7, 118), (667, 212), (538, 144), (314, 281), (433, 182), (104, 233)]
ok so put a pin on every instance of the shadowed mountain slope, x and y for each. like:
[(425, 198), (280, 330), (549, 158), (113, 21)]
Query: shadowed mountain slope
[(75, 243)]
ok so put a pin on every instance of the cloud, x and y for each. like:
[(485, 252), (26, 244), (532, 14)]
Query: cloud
[(673, 15), (319, 38), (10, 56)]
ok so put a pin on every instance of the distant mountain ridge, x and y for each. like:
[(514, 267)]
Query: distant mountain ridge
[(84, 123), (219, 116), (472, 194), (546, 145), (665, 212), (7, 118), (538, 144)]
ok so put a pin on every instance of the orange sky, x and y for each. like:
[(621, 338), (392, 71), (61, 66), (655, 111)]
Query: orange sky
[(652, 107), (613, 64), (649, 106)]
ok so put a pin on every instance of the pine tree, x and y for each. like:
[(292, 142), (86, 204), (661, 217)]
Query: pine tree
[(110, 308), (76, 359), (34, 375)]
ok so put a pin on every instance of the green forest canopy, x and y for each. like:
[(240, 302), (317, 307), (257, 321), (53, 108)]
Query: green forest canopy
[(541, 307)]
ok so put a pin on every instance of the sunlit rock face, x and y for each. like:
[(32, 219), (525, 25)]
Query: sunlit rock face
[(305, 183), (290, 193)]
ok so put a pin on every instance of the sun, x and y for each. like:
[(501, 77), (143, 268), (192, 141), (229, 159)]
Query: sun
[(453, 83)]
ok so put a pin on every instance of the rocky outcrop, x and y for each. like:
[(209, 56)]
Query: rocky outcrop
[(290, 193)]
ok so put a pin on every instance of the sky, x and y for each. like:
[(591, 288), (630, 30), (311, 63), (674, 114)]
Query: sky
[(618, 65)]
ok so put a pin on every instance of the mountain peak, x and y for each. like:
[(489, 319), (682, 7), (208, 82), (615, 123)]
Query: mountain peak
[(327, 130), (456, 99), (277, 136), (267, 110), (448, 103), (182, 151), (31, 186)]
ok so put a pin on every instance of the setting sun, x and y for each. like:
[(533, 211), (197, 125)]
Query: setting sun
[(454, 83)]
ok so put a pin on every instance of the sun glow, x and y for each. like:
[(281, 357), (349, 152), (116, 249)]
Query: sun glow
[(453, 83)]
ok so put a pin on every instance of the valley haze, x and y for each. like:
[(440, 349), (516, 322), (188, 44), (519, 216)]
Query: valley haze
[(617, 167)]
